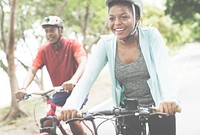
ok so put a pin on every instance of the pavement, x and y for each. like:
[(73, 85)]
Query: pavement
[(187, 67)]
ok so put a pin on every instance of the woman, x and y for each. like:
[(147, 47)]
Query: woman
[(139, 67)]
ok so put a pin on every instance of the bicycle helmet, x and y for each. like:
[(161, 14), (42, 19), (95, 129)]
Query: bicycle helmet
[(52, 21), (137, 3)]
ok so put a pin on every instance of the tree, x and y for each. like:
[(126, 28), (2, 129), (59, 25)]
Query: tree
[(11, 33), (10, 48), (28, 13), (87, 20), (155, 16), (185, 12)]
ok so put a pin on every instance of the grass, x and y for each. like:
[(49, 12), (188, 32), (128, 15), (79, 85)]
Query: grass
[(24, 125)]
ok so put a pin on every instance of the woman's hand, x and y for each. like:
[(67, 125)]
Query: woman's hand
[(168, 107), (67, 114)]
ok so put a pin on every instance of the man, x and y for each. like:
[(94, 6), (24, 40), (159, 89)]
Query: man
[(65, 61)]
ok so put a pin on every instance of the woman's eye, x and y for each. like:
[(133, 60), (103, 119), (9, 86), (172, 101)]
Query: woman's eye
[(111, 19), (124, 17)]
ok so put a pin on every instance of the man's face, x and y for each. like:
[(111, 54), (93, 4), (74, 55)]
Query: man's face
[(53, 33)]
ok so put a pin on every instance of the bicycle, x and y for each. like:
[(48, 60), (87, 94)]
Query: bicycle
[(54, 124), (118, 112)]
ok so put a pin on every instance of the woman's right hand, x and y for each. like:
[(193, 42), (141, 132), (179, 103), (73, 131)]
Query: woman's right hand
[(20, 93), (67, 114)]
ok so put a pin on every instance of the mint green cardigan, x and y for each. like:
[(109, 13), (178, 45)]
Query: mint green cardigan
[(155, 52)]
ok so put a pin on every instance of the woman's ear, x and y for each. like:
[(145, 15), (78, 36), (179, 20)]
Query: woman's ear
[(137, 19)]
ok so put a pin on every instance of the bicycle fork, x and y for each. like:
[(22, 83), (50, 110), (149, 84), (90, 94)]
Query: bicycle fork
[(121, 128), (144, 120)]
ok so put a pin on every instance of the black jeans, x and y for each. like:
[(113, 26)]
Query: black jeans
[(157, 126)]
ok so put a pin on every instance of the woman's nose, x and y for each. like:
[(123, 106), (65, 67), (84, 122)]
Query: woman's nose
[(118, 21)]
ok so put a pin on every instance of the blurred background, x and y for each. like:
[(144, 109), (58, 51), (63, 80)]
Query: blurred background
[(85, 20)]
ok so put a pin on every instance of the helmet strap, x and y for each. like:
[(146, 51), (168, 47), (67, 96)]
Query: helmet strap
[(134, 29)]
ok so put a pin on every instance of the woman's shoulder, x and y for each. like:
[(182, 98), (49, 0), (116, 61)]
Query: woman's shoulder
[(107, 37), (148, 29)]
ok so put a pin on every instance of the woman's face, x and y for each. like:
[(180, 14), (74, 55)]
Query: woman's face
[(120, 20)]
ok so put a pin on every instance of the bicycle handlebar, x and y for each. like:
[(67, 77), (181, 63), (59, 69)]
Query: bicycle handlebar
[(118, 112), (123, 111), (43, 93), (54, 89)]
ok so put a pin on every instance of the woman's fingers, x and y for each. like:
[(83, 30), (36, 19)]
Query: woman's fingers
[(68, 114), (168, 107)]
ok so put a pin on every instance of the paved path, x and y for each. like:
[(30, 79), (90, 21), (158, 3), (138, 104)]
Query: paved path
[(188, 72)]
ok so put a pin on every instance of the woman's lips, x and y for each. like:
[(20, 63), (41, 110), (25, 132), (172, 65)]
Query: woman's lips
[(119, 30)]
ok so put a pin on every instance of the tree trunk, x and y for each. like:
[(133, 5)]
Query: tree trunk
[(10, 48)]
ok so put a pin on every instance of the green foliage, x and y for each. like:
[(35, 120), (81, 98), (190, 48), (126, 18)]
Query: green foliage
[(183, 11), (174, 34), (154, 16), (186, 12), (85, 18)]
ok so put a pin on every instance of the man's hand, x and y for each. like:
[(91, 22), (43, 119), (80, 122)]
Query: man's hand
[(69, 85), (20, 93), (168, 107)]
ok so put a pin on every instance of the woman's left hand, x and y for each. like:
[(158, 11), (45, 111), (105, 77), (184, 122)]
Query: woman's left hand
[(168, 107)]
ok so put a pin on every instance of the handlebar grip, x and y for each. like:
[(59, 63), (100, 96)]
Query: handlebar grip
[(59, 118), (80, 114), (178, 109)]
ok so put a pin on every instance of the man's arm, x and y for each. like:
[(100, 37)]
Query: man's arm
[(29, 78), (82, 63), (69, 85)]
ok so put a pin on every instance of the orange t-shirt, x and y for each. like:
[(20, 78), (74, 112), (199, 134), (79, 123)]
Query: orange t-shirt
[(61, 62)]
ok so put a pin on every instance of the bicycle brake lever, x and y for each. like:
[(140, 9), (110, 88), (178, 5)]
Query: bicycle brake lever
[(60, 89), (26, 96)]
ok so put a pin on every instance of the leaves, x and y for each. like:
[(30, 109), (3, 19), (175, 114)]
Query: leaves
[(185, 12)]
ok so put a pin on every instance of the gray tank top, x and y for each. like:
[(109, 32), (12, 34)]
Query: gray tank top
[(133, 77)]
